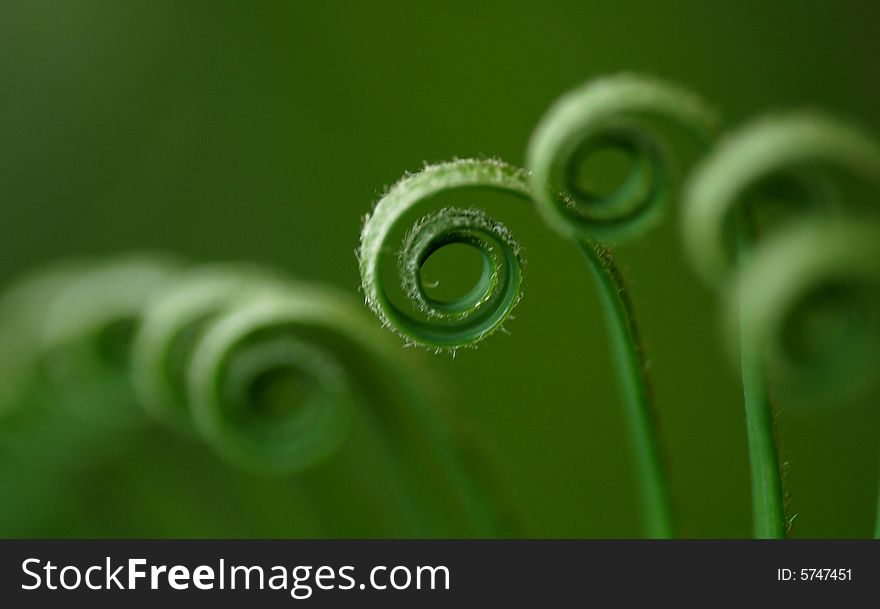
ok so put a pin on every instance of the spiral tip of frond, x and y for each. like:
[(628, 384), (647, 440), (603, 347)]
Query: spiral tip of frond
[(808, 301), (799, 144), (200, 343), (620, 112), (476, 315)]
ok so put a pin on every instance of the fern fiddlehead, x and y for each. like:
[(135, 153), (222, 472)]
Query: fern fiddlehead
[(800, 147), (224, 389), (268, 371), (623, 113), (70, 324), (482, 311), (605, 113), (803, 306)]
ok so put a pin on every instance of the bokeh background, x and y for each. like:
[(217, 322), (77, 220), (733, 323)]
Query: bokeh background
[(265, 131)]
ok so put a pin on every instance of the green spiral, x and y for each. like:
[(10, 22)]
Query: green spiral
[(70, 325), (482, 311), (790, 283), (623, 113), (265, 398), (90, 323), (803, 303), (809, 299), (268, 371), (805, 148), (269, 400)]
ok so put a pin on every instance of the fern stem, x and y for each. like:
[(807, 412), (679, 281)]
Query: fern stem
[(630, 365), (768, 492), (768, 507), (277, 376)]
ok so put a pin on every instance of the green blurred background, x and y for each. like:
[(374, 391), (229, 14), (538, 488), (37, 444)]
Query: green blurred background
[(265, 131)]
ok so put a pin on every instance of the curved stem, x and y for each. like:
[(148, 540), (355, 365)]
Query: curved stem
[(768, 503), (629, 359), (768, 507)]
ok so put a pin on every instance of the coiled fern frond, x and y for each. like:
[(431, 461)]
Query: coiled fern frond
[(212, 355), (809, 152), (482, 311), (270, 372), (70, 326), (625, 113), (804, 297)]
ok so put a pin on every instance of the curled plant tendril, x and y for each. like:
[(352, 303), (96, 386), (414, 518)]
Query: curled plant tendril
[(199, 353), (262, 395), (804, 300), (89, 324), (268, 371), (483, 310), (71, 323), (810, 301), (797, 145), (611, 113), (774, 274)]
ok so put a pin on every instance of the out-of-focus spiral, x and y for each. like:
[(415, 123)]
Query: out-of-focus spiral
[(618, 113), (809, 300), (248, 359), (71, 325), (172, 325), (90, 323), (808, 150), (804, 297), (480, 312), (269, 371), (267, 391)]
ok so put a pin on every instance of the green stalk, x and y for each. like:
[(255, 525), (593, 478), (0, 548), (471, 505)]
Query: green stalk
[(768, 507), (629, 362)]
